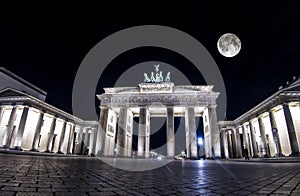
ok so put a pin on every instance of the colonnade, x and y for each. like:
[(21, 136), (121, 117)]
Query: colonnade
[(275, 132), (23, 127), (117, 125)]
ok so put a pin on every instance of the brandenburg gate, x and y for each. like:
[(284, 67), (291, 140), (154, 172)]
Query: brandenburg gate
[(156, 97)]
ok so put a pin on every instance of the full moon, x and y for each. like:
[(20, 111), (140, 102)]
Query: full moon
[(229, 45)]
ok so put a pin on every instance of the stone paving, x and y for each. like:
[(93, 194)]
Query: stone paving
[(35, 175)]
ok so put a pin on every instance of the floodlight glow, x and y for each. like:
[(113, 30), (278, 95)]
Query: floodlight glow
[(200, 141)]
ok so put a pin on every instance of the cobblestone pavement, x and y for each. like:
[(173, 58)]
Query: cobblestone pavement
[(34, 175)]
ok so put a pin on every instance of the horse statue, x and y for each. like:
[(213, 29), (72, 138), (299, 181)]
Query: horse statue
[(168, 79), (146, 78)]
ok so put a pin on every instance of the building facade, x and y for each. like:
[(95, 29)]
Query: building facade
[(27, 122), (270, 129), (164, 99)]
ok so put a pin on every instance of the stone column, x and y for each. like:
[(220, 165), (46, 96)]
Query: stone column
[(224, 144), (142, 131), (121, 136), (9, 128), (62, 138), (253, 140), (87, 142), (129, 133), (275, 135), (234, 143), (70, 140), (190, 128), (92, 142), (238, 143), (35, 143), (230, 144), (245, 138), (1, 111), (101, 132), (215, 147), (80, 141), (147, 137), (51, 134), (263, 137), (21, 127), (170, 133), (291, 130)]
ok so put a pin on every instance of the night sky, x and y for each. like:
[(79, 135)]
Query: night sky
[(46, 44)]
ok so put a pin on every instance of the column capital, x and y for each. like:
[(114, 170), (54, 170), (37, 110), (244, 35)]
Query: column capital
[(212, 106)]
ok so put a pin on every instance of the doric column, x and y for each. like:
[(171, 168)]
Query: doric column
[(190, 129), (253, 140), (263, 137), (229, 136), (224, 145), (129, 133), (80, 141), (142, 131), (275, 134), (245, 138), (234, 143), (215, 147), (170, 133), (147, 136), (62, 138), (9, 128), (87, 139), (70, 140), (1, 111), (238, 143), (101, 132), (21, 127), (34, 146), (121, 136), (51, 134), (291, 129), (92, 142)]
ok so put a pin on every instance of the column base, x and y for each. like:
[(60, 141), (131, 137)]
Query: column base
[(48, 151), (4, 147), (60, 152), (17, 148), (34, 150)]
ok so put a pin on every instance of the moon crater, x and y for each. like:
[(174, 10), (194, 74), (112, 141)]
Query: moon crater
[(229, 45)]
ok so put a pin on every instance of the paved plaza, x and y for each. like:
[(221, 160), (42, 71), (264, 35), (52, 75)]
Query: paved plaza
[(37, 175)]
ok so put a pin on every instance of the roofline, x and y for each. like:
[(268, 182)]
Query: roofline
[(51, 107), (265, 101), (18, 78)]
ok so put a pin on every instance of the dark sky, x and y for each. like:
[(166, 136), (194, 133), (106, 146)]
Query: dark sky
[(45, 44)]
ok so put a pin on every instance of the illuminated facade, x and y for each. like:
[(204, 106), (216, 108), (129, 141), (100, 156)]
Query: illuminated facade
[(164, 99), (28, 123), (270, 129)]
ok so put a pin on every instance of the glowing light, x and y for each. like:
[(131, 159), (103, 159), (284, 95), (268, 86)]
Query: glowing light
[(200, 141)]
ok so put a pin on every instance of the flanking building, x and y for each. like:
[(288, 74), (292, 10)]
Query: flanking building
[(27, 122), (270, 129)]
